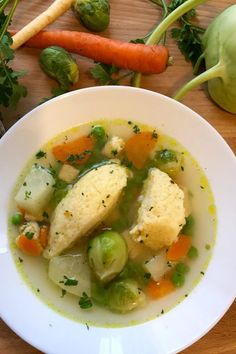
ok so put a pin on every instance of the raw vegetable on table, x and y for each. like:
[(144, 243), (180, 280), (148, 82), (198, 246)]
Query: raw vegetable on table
[(219, 52), (57, 63), (136, 57), (10, 89), (94, 14), (56, 9)]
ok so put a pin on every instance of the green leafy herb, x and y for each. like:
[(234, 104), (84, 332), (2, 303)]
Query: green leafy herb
[(29, 235), (69, 281), (85, 301), (45, 215), (63, 292), (10, 89), (188, 35), (136, 129), (27, 195), (147, 275), (40, 154), (107, 74)]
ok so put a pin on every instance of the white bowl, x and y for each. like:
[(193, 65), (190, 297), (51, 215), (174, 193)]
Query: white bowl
[(50, 332)]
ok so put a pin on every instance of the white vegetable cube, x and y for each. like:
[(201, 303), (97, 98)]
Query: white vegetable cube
[(68, 173), (71, 273), (36, 190), (157, 266)]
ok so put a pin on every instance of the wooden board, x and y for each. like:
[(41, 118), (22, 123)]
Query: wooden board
[(129, 19)]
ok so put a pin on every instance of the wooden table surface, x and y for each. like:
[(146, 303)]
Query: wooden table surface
[(129, 19)]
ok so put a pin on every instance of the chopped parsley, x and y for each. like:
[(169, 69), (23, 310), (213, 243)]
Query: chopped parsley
[(85, 301), (27, 195), (154, 135), (63, 292), (78, 157), (147, 275), (202, 273), (29, 235), (114, 152), (136, 129), (20, 260), (41, 154), (69, 281), (45, 215)]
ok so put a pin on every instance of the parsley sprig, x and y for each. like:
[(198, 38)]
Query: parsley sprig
[(188, 35), (10, 89)]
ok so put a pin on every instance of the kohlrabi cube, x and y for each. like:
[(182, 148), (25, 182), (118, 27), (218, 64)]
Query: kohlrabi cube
[(36, 190)]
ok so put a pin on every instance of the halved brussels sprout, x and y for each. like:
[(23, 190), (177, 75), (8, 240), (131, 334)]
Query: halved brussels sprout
[(59, 64), (107, 255), (125, 295)]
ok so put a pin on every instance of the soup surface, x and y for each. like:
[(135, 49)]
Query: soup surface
[(112, 223)]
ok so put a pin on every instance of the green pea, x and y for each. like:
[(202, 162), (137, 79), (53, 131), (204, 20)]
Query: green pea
[(98, 132), (17, 218), (182, 268), (193, 253), (178, 279)]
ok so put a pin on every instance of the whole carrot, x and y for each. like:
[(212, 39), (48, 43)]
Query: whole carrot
[(137, 57)]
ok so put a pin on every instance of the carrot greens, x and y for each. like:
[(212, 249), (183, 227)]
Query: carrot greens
[(10, 89)]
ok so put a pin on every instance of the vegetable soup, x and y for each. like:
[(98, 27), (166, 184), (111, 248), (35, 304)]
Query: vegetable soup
[(112, 223)]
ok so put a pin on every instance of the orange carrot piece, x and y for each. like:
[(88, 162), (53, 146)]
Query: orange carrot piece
[(146, 59), (30, 247), (138, 148), (179, 249), (43, 235), (159, 289), (75, 147)]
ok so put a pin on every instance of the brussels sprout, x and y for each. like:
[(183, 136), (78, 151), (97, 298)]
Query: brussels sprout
[(168, 161), (107, 255), (94, 14), (125, 295), (57, 63)]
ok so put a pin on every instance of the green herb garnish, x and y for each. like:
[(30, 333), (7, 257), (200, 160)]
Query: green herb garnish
[(40, 154), (69, 281), (10, 89), (85, 301), (29, 235)]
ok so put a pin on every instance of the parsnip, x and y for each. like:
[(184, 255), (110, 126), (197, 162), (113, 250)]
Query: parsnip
[(57, 8)]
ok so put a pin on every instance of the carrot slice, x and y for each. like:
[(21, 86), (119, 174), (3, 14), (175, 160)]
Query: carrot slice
[(179, 249), (30, 247), (138, 148), (78, 148), (161, 288), (43, 235)]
